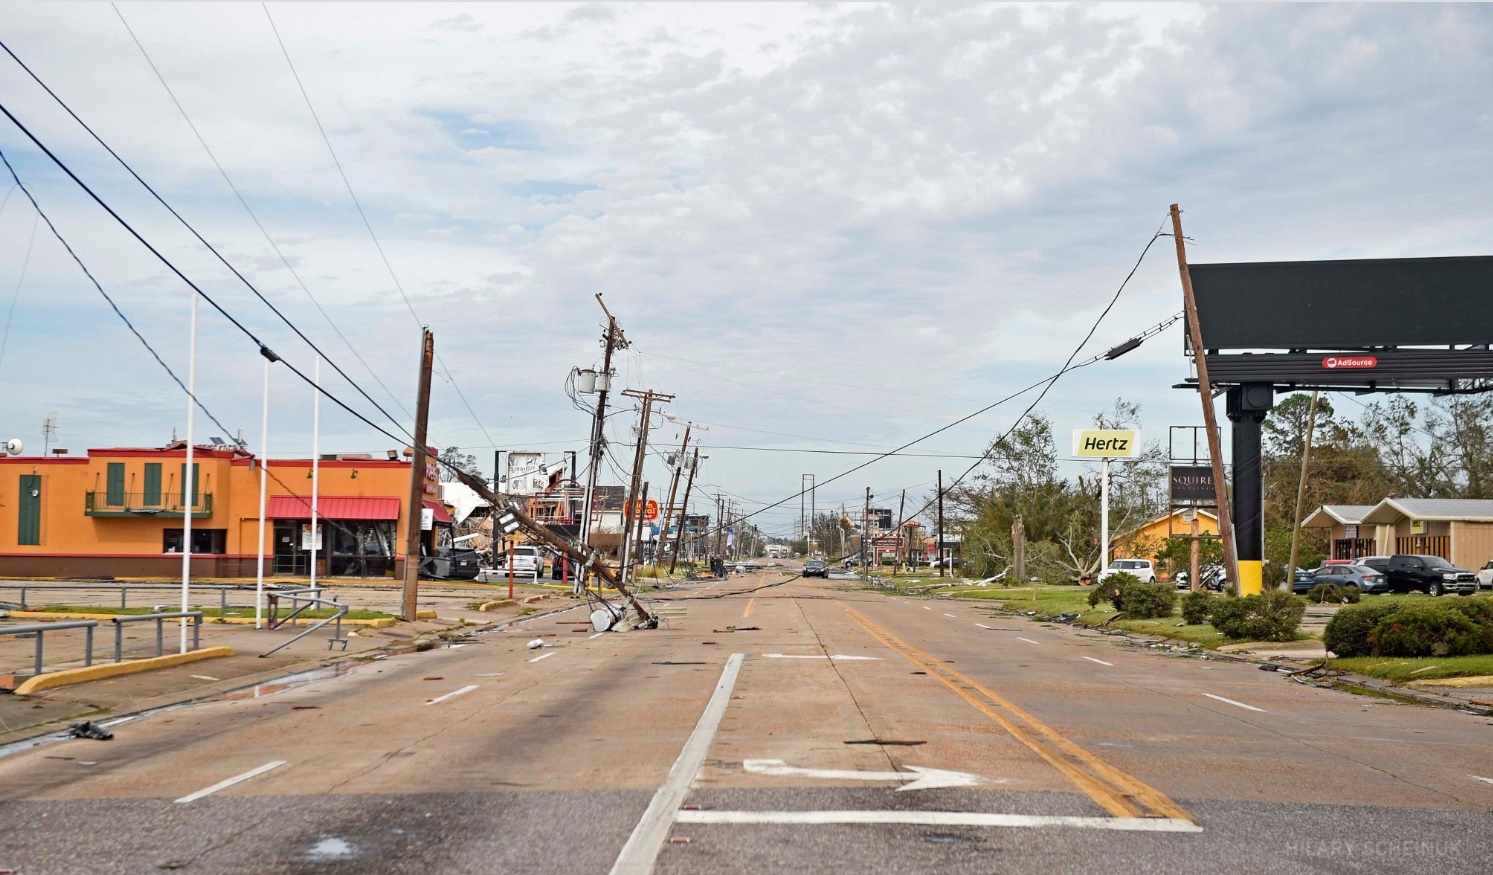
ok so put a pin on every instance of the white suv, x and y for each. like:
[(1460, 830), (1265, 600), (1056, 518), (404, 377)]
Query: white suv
[(527, 561), (1145, 569)]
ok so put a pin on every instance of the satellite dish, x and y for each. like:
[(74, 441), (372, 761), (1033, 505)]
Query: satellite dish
[(13, 447)]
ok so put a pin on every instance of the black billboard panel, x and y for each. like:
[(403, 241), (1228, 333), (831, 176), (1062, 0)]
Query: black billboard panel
[(1343, 305)]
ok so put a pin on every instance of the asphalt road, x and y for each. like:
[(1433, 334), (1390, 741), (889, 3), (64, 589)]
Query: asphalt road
[(771, 726)]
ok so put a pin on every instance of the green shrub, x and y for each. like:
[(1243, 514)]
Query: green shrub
[(1109, 589), (1323, 593), (1197, 606), (1429, 628), (1480, 612), (1147, 601), (1270, 616), (1348, 631)]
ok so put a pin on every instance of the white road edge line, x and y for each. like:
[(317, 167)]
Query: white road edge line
[(1232, 702), (640, 852), (223, 785), (1100, 661), (940, 818), (596, 636), (543, 656), (453, 694), (1027, 640)]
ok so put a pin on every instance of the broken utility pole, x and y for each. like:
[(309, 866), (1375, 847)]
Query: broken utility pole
[(694, 463), (679, 462), (416, 509), (1210, 418)]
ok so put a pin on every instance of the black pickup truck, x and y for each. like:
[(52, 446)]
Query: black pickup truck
[(1432, 574)]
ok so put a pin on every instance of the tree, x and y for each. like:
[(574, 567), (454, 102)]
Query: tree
[(453, 457)]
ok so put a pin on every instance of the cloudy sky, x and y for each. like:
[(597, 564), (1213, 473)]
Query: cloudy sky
[(822, 227)]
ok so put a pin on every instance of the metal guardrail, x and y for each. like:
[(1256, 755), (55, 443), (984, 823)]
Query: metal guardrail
[(40, 630), (160, 620), (124, 590), (300, 602)]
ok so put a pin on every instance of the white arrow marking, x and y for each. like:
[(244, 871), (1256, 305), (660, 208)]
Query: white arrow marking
[(1232, 702), (1100, 661), (816, 656), (917, 778), (941, 818)]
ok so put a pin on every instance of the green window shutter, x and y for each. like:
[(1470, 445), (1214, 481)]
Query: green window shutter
[(152, 483), (29, 532), (116, 484), (196, 483)]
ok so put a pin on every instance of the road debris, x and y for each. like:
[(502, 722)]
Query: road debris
[(89, 729)]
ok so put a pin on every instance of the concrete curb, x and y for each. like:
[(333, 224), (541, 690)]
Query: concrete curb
[(70, 676), (378, 623)]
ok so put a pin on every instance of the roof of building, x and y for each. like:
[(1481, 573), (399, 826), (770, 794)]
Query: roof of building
[(1328, 515), (1393, 509)]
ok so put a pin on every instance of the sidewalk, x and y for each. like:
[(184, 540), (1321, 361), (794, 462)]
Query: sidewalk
[(51, 710)]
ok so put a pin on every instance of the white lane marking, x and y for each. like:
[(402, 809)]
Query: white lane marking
[(204, 677), (817, 656), (1480, 778), (940, 818), (453, 694), (543, 656), (982, 625), (647, 837), (594, 637), (1232, 702), (1027, 640), (917, 777), (1100, 661), (951, 616), (926, 608), (223, 785)]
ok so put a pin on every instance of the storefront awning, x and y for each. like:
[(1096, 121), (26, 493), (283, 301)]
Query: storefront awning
[(333, 507), (441, 514)]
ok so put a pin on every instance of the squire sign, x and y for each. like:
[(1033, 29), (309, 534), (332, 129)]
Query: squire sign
[(1095, 443)]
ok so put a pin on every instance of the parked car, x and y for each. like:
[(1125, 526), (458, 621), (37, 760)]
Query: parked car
[(1485, 575), (1431, 574), (816, 568), (1303, 581), (1145, 569), (1213, 577), (527, 561), (1364, 578)]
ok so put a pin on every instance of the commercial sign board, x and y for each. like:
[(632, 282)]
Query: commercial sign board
[(1105, 443), (1192, 484)]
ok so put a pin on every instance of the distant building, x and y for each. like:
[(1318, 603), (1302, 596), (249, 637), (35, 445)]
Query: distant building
[(1459, 530)]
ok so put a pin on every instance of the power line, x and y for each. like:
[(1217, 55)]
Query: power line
[(446, 372), (183, 221), (20, 280), (244, 203)]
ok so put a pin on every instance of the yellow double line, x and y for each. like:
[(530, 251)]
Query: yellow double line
[(1116, 792)]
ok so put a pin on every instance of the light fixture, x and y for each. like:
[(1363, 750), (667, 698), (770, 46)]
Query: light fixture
[(354, 475), (35, 493), (393, 455)]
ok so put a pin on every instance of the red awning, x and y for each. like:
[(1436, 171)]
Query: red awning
[(333, 507), (441, 515)]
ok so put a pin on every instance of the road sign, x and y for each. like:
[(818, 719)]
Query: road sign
[(1105, 443)]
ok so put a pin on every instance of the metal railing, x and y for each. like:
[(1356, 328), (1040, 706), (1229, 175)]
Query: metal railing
[(160, 621), (124, 590), (300, 602), (163, 504), (40, 630)]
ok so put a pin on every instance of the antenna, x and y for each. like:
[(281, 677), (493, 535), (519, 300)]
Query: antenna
[(48, 431)]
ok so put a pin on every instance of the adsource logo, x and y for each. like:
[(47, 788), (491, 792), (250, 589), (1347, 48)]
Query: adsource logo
[(1334, 362)]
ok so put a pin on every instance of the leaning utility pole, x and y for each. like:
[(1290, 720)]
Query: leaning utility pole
[(416, 508), (866, 536), (1306, 460), (632, 512), (612, 339), (694, 463), (902, 525), (669, 511), (1210, 418)]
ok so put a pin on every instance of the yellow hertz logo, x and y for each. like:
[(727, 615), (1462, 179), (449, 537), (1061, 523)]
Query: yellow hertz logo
[(1102, 443)]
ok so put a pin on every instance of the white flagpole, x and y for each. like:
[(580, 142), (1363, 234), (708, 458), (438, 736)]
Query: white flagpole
[(315, 472), (264, 477), (188, 481)]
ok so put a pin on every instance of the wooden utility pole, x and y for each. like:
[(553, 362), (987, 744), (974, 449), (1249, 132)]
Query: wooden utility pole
[(637, 550), (1018, 548), (416, 508), (866, 536), (669, 511), (612, 340), (1210, 417), (901, 528), (939, 545), (1306, 460), (633, 512), (684, 511), (1194, 568)]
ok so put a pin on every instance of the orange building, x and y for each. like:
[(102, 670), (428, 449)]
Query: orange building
[(118, 513)]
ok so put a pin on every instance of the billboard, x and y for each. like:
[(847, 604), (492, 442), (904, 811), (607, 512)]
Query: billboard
[(1345, 305), (1192, 484)]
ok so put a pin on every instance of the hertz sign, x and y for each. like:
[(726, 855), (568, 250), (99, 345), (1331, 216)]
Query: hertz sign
[(1099, 443)]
